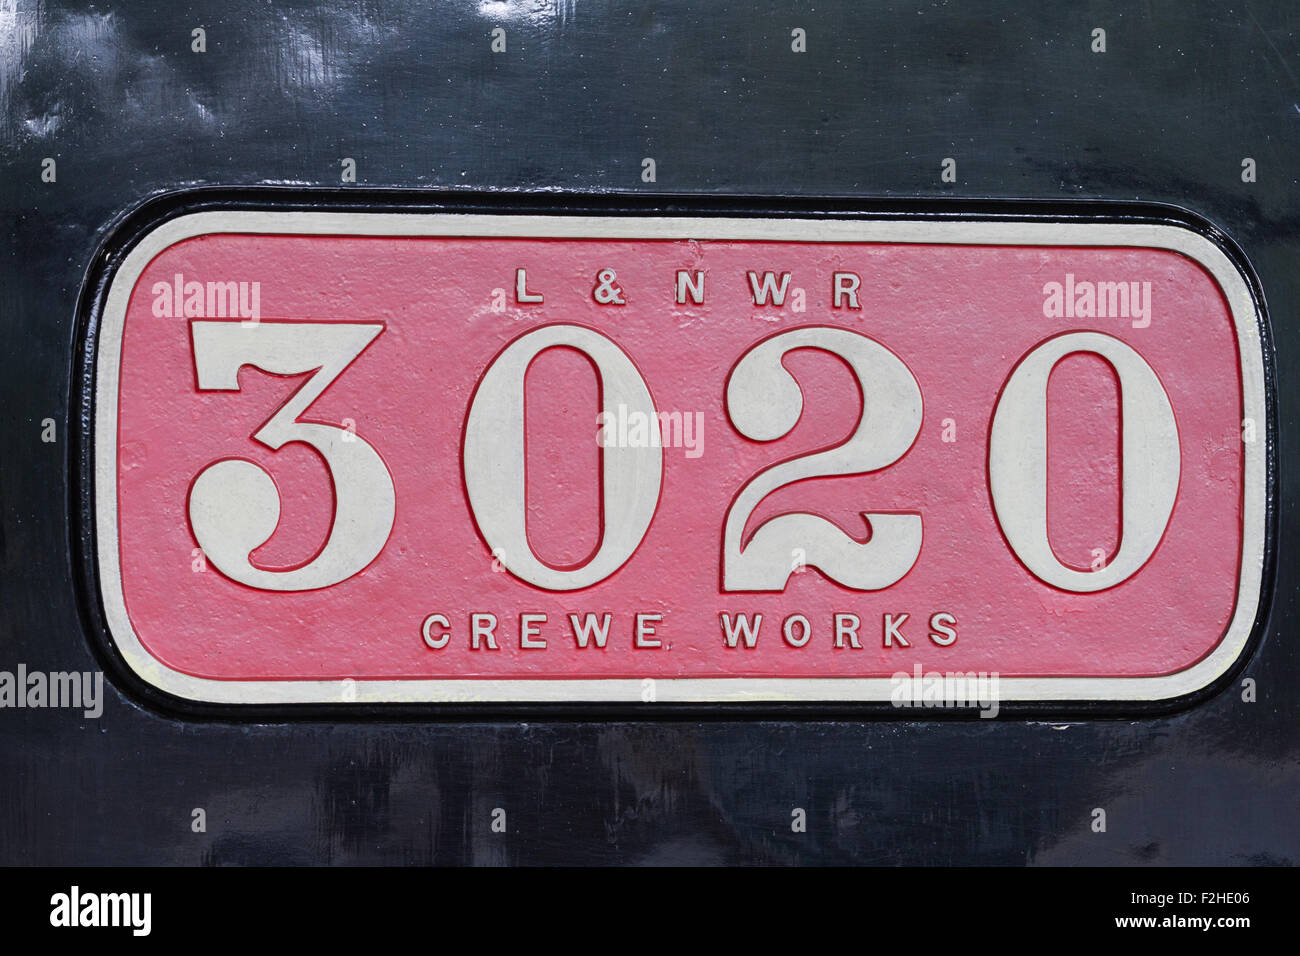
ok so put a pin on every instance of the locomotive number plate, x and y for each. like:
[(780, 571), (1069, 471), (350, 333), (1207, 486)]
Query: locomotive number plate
[(502, 458)]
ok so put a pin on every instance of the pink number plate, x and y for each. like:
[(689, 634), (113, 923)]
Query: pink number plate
[(396, 457)]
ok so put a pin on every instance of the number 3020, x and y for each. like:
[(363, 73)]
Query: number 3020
[(234, 506)]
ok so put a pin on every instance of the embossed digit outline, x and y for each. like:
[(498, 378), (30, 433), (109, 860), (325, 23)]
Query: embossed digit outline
[(1150, 463), (764, 403), (234, 506), (493, 462)]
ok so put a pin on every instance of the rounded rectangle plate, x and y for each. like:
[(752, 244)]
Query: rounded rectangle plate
[(468, 456)]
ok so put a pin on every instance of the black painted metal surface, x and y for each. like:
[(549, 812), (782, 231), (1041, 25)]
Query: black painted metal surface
[(583, 93)]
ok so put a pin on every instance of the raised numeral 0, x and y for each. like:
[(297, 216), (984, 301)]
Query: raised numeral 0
[(494, 459), (1018, 461)]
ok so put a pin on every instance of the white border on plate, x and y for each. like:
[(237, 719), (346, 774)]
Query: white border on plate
[(669, 690)]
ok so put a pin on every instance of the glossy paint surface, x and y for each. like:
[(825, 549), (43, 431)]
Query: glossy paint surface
[(114, 94)]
